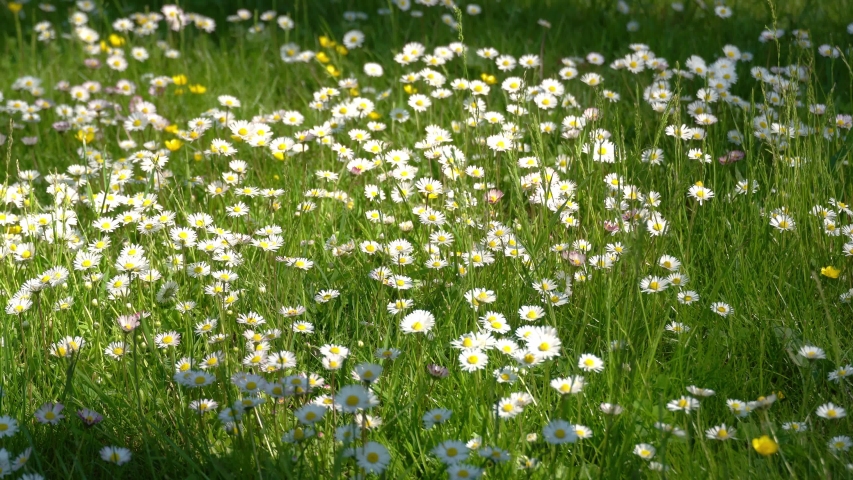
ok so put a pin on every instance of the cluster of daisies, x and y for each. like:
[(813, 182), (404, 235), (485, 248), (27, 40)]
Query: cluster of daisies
[(185, 283)]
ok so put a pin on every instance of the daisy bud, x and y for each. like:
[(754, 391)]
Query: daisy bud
[(437, 371)]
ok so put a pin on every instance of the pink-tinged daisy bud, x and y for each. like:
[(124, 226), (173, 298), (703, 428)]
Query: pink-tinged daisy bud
[(437, 371), (575, 258), (494, 196)]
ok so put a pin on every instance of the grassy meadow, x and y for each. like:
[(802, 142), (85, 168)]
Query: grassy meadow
[(419, 239)]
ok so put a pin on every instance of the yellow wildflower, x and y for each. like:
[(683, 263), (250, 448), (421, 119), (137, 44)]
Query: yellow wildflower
[(173, 144), (765, 445), (830, 271), (116, 40)]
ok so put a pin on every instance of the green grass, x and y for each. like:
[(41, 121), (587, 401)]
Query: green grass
[(782, 294)]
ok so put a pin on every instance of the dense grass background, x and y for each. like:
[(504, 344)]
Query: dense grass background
[(728, 250)]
